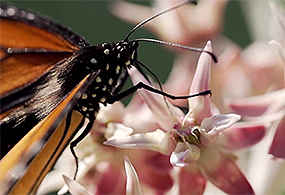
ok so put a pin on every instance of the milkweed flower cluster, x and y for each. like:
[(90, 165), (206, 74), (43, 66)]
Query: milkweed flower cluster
[(151, 146)]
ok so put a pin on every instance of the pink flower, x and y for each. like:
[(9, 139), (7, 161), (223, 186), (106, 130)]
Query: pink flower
[(197, 141)]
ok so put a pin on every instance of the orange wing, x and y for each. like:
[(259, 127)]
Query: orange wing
[(25, 166)]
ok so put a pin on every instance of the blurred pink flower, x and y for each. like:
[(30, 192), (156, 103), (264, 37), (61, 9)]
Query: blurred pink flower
[(197, 141), (188, 25), (269, 107)]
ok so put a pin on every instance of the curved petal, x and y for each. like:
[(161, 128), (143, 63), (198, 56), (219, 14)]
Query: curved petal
[(218, 123), (201, 105), (191, 181), (155, 141), (133, 185), (278, 143), (214, 125), (242, 135), (222, 171), (184, 154), (75, 188)]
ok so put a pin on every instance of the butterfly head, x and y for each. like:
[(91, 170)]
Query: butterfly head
[(126, 52)]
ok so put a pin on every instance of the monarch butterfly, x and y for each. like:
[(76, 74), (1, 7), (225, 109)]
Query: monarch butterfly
[(47, 73)]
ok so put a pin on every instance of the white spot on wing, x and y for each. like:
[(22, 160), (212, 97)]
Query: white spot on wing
[(118, 69), (110, 81), (84, 96), (93, 61), (98, 80), (11, 11)]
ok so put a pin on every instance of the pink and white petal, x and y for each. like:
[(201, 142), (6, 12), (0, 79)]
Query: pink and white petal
[(156, 141), (133, 184), (203, 21), (221, 170), (266, 104), (212, 126), (201, 106), (75, 188), (278, 143), (164, 113), (190, 180), (242, 135), (184, 154)]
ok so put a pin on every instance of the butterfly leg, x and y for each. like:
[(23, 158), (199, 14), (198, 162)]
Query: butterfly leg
[(141, 85), (74, 143)]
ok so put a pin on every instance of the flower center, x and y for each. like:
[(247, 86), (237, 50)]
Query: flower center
[(189, 133)]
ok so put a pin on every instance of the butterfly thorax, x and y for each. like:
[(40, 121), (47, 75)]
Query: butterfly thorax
[(110, 60)]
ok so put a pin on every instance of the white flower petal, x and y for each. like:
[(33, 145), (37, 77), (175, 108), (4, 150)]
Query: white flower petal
[(184, 154), (133, 185), (75, 188), (218, 123), (151, 141), (212, 126)]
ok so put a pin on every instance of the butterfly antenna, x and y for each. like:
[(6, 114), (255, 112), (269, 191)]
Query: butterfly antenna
[(195, 49), (155, 16)]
